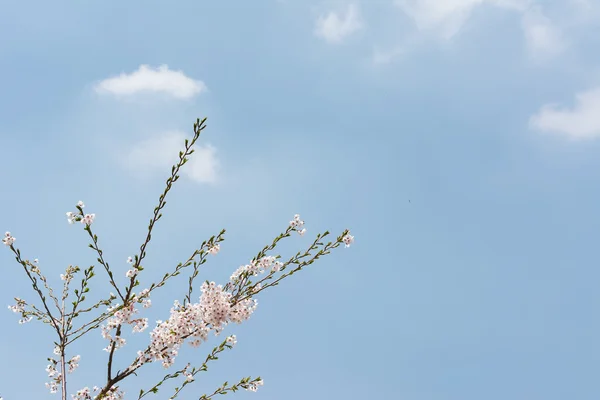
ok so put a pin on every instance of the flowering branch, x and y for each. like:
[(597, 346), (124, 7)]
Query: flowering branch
[(245, 383), (190, 374), (198, 127), (218, 305)]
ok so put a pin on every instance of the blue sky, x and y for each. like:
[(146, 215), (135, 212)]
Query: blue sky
[(458, 140)]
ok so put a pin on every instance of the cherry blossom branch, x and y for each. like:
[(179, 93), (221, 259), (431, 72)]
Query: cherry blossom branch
[(206, 247), (33, 280), (245, 383), (199, 126), (257, 287), (226, 344), (68, 275), (100, 259), (218, 305), (242, 285)]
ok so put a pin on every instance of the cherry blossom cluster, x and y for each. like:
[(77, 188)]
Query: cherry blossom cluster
[(132, 272), (231, 340), (297, 224), (69, 273), (168, 336), (217, 307), (214, 249), (74, 363), (257, 267), (54, 374), (348, 240), (86, 394), (120, 317), (86, 219), (189, 377), (20, 309), (83, 394), (194, 321), (8, 239), (253, 386), (142, 297)]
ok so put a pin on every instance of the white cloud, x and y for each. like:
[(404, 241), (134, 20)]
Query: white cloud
[(543, 38), (445, 19), (386, 56), (334, 28), (157, 154), (582, 121), (147, 79)]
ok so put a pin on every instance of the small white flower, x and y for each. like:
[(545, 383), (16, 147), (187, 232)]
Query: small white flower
[(129, 260), (348, 240), (74, 363), (297, 222), (231, 340), (131, 273), (8, 239), (214, 249), (88, 219), (302, 231), (71, 217), (253, 387), (80, 204), (276, 266)]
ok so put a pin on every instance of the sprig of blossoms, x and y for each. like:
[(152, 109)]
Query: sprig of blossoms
[(133, 271), (120, 317), (69, 273), (54, 374), (19, 307), (257, 267), (253, 386), (142, 297), (74, 363), (86, 219), (85, 394)]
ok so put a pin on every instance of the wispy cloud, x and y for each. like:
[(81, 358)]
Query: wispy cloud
[(445, 20), (147, 79), (581, 121), (544, 39), (156, 154), (335, 27)]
